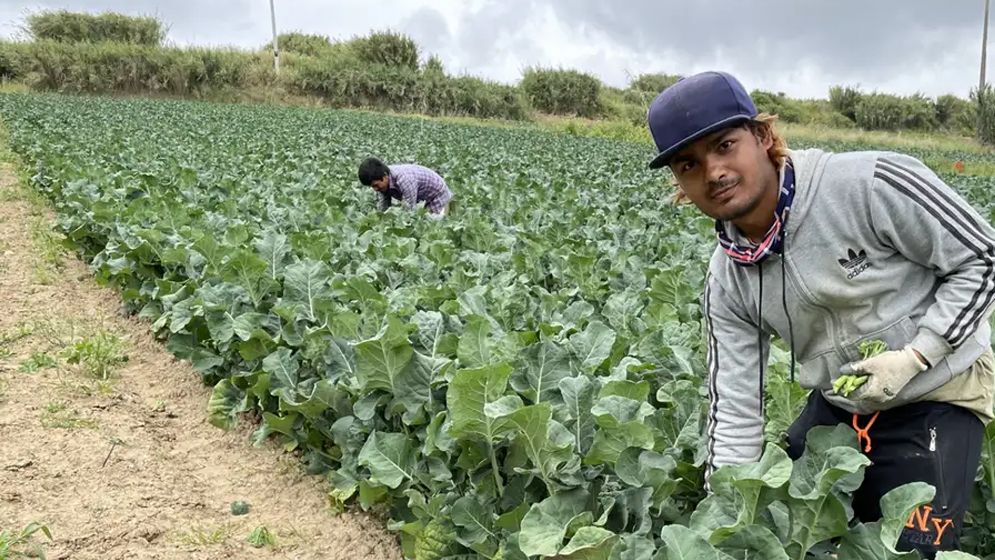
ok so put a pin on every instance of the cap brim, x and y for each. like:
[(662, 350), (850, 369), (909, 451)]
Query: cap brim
[(663, 158)]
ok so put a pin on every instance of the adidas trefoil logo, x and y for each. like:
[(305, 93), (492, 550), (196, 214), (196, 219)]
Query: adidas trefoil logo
[(854, 263)]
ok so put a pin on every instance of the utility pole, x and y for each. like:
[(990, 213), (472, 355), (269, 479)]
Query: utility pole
[(276, 44), (984, 48)]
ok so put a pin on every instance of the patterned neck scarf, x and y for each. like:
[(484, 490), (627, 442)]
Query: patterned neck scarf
[(773, 240)]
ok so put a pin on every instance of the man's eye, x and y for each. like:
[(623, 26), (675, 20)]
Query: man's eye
[(726, 145)]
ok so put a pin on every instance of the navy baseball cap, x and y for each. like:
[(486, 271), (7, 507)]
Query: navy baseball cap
[(696, 107)]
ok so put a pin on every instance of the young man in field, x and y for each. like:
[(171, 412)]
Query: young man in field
[(408, 183), (828, 251)]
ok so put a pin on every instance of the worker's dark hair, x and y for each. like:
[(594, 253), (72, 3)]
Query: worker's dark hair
[(372, 169)]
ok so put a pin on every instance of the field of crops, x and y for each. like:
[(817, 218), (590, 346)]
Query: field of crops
[(520, 380)]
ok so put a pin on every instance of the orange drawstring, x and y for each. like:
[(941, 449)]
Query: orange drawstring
[(863, 434)]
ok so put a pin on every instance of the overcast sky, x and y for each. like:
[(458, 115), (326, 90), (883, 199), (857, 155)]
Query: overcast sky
[(800, 47)]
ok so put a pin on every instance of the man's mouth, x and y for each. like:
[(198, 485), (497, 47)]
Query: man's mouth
[(722, 194)]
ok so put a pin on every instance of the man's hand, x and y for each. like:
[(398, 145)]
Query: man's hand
[(887, 373)]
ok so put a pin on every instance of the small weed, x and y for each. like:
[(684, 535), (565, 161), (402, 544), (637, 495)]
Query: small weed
[(48, 251), (38, 361), (97, 355), (9, 194), (19, 544), (10, 336), (203, 536), (57, 415), (261, 537)]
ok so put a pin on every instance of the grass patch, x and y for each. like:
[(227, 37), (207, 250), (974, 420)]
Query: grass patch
[(261, 537), (10, 336), (20, 544), (898, 140), (206, 536), (97, 355), (58, 415), (37, 362), (48, 248)]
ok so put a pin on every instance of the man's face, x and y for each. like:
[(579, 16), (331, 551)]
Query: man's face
[(381, 184), (726, 174)]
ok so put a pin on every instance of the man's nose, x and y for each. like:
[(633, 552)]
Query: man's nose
[(715, 171)]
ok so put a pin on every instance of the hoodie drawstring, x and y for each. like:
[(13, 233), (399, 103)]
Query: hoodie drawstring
[(760, 331), (784, 301), (784, 306), (863, 434)]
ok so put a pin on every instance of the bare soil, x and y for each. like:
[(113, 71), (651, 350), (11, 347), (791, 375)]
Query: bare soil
[(127, 466)]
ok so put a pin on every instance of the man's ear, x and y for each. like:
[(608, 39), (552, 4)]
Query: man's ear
[(767, 140), (763, 135)]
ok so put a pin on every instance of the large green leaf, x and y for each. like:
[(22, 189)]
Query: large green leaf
[(541, 367), (640, 468), (621, 425), (897, 507), (741, 494), (470, 391), (475, 346), (413, 386), (248, 326), (273, 248), (831, 464), (578, 397), (226, 403), (389, 458), (282, 366), (681, 543), (864, 542), (306, 283), (381, 359), (546, 442), (545, 525), (250, 272), (589, 543), (754, 541), (474, 521), (593, 345), (340, 357)]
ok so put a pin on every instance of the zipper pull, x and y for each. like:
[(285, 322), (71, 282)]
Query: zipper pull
[(932, 439)]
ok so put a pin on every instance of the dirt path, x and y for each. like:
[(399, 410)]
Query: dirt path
[(128, 467)]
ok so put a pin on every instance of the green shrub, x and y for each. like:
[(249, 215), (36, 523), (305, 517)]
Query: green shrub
[(75, 27), (844, 100), (563, 92), (625, 104), (879, 111), (777, 104), (308, 44), (653, 83), (386, 48), (956, 114), (129, 68), (434, 65), (345, 82), (12, 60), (984, 100), (479, 98)]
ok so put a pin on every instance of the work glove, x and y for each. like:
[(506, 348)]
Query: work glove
[(887, 373)]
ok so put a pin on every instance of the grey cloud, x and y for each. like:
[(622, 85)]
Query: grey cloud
[(872, 39), (482, 31), (797, 46), (428, 28)]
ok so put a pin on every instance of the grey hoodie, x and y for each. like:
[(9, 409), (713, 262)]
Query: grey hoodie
[(877, 247)]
